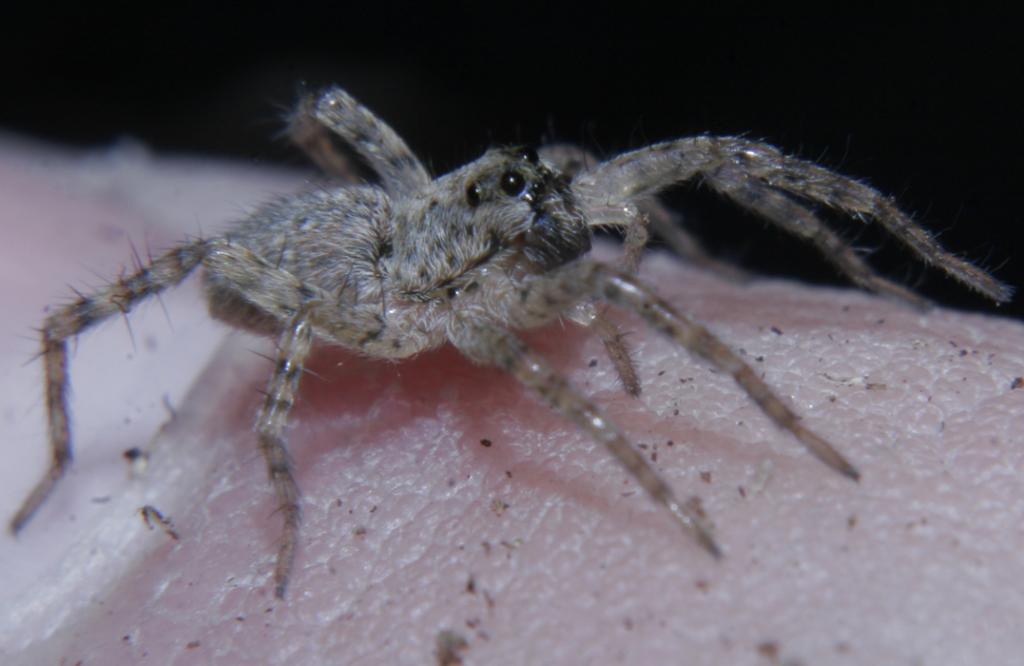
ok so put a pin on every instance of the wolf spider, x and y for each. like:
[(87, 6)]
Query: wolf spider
[(408, 263)]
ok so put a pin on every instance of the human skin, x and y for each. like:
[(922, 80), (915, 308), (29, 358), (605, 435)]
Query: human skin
[(536, 548)]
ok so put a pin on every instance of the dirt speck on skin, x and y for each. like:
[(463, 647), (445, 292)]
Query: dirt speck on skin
[(449, 648), (851, 522), (768, 650), (705, 477), (499, 506), (486, 443), (135, 454), (150, 515), (471, 585), (695, 505), (192, 645), (1018, 382)]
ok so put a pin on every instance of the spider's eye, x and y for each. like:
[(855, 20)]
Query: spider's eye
[(530, 155), (473, 195), (512, 183)]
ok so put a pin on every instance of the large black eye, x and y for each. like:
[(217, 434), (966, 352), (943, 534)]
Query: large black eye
[(512, 183), (473, 195)]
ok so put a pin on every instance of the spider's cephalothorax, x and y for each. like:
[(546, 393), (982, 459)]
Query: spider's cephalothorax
[(499, 245), (506, 211)]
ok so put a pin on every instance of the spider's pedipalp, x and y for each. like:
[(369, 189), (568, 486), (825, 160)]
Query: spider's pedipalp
[(498, 347), (624, 290), (615, 346), (119, 297)]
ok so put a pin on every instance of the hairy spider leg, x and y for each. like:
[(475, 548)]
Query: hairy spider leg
[(119, 297), (753, 172)]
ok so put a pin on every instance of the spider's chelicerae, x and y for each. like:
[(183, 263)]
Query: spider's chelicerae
[(497, 246)]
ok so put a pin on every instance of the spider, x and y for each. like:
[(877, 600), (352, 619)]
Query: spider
[(407, 263)]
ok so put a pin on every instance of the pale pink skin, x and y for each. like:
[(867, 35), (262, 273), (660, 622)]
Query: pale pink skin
[(919, 563)]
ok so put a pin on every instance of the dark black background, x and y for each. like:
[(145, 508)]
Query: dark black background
[(923, 107)]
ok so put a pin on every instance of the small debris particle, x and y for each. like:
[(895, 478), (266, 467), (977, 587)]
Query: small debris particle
[(150, 514), (593, 363), (499, 506), (776, 330), (511, 545), (702, 585), (759, 359), (373, 508), (675, 412), (843, 647), (670, 443), (486, 443), (359, 532), (743, 491), (1018, 382), (489, 600), (192, 645), (471, 585), (642, 446), (486, 545), (126, 638), (661, 372), (134, 453), (695, 505), (450, 646), (628, 624), (473, 622), (508, 473), (963, 352), (851, 522), (705, 477), (768, 649), (100, 500)]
